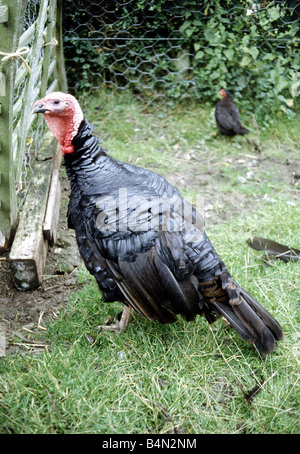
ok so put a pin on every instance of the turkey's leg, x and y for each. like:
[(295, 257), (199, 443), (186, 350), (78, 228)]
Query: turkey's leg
[(122, 325)]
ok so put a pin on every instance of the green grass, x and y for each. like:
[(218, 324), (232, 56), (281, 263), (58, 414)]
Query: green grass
[(189, 376)]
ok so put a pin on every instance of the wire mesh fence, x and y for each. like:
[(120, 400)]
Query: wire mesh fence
[(139, 56), (175, 49)]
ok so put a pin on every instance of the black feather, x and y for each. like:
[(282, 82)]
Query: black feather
[(274, 249)]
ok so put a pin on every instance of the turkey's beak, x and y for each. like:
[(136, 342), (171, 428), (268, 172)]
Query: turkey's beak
[(40, 109)]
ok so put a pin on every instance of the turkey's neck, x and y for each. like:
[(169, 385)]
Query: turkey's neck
[(87, 153)]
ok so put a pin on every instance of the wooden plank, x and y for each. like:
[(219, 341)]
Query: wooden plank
[(18, 105), (18, 151), (51, 67), (2, 84), (52, 212), (53, 204), (60, 61), (9, 38), (32, 88), (14, 146), (27, 35), (29, 250), (54, 86), (22, 72), (4, 14), (28, 253), (48, 35)]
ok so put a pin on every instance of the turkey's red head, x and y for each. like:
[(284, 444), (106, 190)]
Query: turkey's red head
[(223, 93), (63, 116)]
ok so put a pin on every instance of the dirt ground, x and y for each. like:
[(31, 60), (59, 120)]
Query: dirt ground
[(23, 314)]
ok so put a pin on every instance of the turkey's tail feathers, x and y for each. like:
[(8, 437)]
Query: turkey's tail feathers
[(246, 315), (252, 322)]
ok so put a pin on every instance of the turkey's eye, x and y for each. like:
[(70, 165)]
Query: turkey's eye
[(56, 101)]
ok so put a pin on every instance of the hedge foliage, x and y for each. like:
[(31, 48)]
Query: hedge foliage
[(256, 55)]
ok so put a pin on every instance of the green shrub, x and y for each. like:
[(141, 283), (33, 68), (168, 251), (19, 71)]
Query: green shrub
[(253, 54), (184, 48)]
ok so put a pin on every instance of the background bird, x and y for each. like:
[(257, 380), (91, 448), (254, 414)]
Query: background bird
[(144, 244), (228, 117), (274, 250)]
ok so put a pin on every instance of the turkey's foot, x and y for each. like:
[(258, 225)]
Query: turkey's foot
[(118, 327)]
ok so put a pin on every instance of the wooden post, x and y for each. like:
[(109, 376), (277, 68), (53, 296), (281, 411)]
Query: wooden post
[(11, 16)]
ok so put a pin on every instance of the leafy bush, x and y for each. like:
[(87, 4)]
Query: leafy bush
[(180, 48), (253, 54)]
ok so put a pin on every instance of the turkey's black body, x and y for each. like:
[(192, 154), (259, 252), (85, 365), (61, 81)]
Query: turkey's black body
[(139, 256)]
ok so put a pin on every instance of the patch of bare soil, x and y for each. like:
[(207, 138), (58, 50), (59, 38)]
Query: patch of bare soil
[(205, 175), (23, 314)]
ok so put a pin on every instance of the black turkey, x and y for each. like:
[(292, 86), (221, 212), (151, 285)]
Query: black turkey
[(144, 244)]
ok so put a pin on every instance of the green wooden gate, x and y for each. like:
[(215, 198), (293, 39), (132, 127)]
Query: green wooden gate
[(31, 64)]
